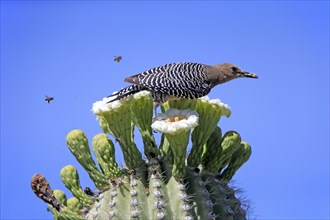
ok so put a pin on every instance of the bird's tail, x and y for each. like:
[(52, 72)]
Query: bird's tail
[(127, 91)]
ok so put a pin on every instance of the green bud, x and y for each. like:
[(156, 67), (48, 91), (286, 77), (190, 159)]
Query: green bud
[(117, 121), (60, 196), (74, 205), (78, 145), (104, 151), (241, 155), (212, 149), (229, 144), (209, 115), (70, 178)]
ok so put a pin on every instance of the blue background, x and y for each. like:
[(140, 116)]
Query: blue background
[(66, 50)]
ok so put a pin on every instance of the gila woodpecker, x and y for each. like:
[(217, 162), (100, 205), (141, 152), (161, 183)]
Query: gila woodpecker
[(180, 80)]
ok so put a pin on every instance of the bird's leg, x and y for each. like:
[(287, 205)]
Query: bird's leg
[(156, 104)]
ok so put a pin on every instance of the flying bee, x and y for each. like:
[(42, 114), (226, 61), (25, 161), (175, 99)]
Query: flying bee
[(48, 99), (117, 58)]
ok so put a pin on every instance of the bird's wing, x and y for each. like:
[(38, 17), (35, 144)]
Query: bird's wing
[(177, 79), (172, 70)]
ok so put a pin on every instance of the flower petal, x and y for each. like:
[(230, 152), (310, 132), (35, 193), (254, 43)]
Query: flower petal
[(163, 125)]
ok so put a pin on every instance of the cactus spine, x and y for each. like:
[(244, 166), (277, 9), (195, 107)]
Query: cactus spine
[(169, 183)]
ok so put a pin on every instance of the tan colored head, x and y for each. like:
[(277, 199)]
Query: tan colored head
[(225, 72)]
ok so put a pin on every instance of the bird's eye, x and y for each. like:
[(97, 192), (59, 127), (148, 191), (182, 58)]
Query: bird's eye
[(234, 69)]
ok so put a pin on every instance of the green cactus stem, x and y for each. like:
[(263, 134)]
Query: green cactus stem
[(165, 150), (70, 178), (104, 151), (202, 201), (179, 145), (220, 149), (141, 107), (213, 150), (60, 196), (173, 104), (229, 145), (226, 205), (238, 158), (176, 125), (78, 145), (74, 205), (169, 183), (115, 118), (181, 104), (42, 189), (209, 112)]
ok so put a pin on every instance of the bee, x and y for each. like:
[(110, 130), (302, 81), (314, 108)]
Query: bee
[(146, 191), (132, 172), (117, 58), (88, 191), (48, 99), (152, 155), (118, 139)]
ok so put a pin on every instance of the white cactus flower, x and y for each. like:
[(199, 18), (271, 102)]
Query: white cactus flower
[(175, 121), (217, 102), (104, 105), (141, 94)]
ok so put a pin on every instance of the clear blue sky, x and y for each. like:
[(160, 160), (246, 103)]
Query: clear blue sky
[(66, 49)]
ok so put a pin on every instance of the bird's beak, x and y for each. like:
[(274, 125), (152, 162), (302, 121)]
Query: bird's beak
[(248, 75)]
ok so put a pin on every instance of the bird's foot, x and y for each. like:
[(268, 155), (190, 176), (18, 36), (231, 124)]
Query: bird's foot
[(154, 118)]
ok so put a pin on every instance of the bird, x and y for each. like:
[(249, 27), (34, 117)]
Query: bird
[(117, 58), (48, 99), (183, 80)]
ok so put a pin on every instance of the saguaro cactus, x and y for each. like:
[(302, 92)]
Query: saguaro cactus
[(169, 183)]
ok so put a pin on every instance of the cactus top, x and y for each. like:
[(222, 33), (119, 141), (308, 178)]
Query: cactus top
[(181, 80), (107, 103), (217, 102)]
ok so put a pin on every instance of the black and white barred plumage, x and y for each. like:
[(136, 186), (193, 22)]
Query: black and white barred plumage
[(180, 80)]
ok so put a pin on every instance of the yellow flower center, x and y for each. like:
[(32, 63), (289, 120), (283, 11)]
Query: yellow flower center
[(176, 118)]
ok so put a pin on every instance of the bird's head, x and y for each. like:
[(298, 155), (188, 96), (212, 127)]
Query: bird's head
[(225, 72)]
